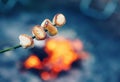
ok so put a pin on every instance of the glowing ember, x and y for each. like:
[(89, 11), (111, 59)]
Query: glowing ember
[(45, 75), (61, 54)]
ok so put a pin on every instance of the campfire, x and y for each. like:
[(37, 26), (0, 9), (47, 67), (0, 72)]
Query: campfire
[(61, 54)]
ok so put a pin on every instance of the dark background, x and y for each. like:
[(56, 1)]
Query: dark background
[(101, 37)]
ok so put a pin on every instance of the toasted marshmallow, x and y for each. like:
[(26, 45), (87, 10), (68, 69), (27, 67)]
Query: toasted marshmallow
[(59, 20), (47, 25), (26, 41), (38, 32)]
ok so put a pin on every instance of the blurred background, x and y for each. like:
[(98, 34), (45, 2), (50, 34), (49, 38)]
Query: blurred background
[(92, 29)]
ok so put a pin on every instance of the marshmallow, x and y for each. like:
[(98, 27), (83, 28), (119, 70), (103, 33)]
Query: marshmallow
[(59, 20), (38, 32), (52, 30), (26, 41)]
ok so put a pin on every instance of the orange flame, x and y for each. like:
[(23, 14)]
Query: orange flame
[(33, 62), (61, 54)]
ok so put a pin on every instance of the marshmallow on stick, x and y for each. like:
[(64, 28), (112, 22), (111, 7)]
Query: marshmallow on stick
[(47, 25), (38, 32), (26, 41), (59, 20)]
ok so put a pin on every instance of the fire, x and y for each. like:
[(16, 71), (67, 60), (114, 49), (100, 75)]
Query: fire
[(33, 62), (61, 54)]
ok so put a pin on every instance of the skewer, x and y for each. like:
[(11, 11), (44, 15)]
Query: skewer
[(58, 20)]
